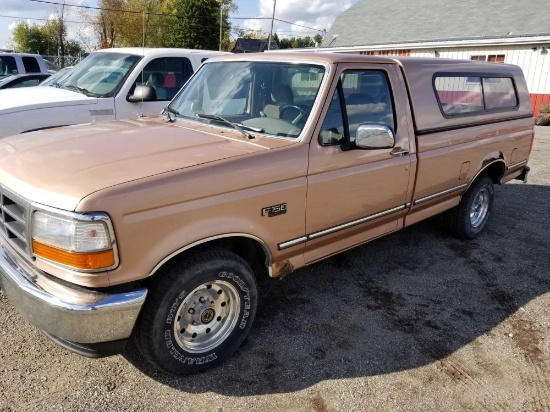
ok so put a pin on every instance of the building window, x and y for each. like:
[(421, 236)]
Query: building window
[(495, 58), (387, 53)]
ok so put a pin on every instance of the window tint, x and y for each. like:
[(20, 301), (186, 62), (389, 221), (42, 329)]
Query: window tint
[(368, 99), (462, 95), (31, 65), (459, 95), (7, 66), (499, 93), (166, 75)]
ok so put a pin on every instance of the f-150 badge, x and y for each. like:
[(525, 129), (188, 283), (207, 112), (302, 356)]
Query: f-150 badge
[(274, 210)]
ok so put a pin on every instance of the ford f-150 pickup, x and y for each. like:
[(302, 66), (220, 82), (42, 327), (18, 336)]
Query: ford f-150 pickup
[(158, 228)]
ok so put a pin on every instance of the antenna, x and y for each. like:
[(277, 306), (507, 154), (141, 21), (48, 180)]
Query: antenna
[(143, 50)]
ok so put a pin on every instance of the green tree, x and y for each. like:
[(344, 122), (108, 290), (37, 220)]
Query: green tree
[(28, 38), (161, 23), (196, 24), (42, 39), (297, 43)]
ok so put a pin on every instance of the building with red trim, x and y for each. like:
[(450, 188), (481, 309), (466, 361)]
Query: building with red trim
[(502, 31)]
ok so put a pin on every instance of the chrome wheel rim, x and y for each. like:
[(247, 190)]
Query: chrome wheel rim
[(207, 316), (480, 207)]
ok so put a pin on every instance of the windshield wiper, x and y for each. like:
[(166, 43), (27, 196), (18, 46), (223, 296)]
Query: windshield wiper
[(58, 85), (236, 126), (82, 90), (169, 112)]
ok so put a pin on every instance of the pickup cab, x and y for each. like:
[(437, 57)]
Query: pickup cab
[(108, 84), (21, 63), (158, 228)]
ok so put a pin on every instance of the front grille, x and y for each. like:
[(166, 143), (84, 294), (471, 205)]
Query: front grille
[(14, 220)]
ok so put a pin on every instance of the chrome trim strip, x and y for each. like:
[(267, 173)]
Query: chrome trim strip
[(333, 229), (438, 194), (268, 257), (293, 242), (515, 165)]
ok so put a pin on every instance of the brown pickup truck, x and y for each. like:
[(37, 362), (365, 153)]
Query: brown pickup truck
[(158, 229)]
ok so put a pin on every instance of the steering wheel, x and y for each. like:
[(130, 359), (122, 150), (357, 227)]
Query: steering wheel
[(301, 112)]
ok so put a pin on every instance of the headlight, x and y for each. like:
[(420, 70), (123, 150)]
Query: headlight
[(83, 242)]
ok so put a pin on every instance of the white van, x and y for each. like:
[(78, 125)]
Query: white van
[(109, 84)]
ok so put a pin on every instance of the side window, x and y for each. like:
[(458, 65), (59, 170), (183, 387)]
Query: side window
[(8, 66), (459, 94), (27, 83), (332, 131), (499, 93), (368, 99), (464, 95), (166, 75), (31, 65)]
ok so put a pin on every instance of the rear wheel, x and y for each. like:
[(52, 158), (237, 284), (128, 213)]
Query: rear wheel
[(469, 218), (198, 313)]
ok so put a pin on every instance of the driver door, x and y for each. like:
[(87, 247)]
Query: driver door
[(355, 195), (166, 75)]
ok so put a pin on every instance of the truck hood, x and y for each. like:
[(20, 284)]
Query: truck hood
[(28, 98), (59, 167)]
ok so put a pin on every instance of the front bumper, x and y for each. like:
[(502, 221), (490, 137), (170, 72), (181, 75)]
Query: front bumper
[(65, 311)]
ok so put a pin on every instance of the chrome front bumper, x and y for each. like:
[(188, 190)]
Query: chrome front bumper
[(65, 311)]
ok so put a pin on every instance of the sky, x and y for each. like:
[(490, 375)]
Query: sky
[(317, 15)]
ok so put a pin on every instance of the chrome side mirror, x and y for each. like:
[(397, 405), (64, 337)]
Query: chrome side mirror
[(374, 136), (142, 94)]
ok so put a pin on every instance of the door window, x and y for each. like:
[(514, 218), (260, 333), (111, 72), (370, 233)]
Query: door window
[(367, 98), (166, 75), (27, 83), (31, 65), (7, 66)]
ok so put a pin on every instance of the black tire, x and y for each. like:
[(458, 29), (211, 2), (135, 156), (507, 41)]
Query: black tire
[(166, 311), (458, 221)]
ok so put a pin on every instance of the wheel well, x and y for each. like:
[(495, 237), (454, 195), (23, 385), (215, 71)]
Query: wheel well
[(495, 171), (249, 249)]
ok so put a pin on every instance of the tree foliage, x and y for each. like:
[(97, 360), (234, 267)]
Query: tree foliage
[(43, 38), (291, 43), (161, 23), (296, 43)]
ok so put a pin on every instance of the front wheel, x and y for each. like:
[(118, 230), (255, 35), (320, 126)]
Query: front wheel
[(198, 313), (469, 218)]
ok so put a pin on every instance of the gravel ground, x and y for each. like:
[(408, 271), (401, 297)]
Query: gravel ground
[(414, 321)]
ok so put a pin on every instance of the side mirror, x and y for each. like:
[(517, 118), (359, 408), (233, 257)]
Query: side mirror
[(142, 94), (374, 136)]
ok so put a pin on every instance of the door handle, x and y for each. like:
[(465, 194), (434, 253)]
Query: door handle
[(402, 152)]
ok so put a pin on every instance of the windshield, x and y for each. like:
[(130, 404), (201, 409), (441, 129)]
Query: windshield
[(100, 74), (58, 77), (272, 98), (7, 66)]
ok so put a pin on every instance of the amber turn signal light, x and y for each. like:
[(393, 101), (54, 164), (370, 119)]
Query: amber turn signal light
[(96, 260)]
